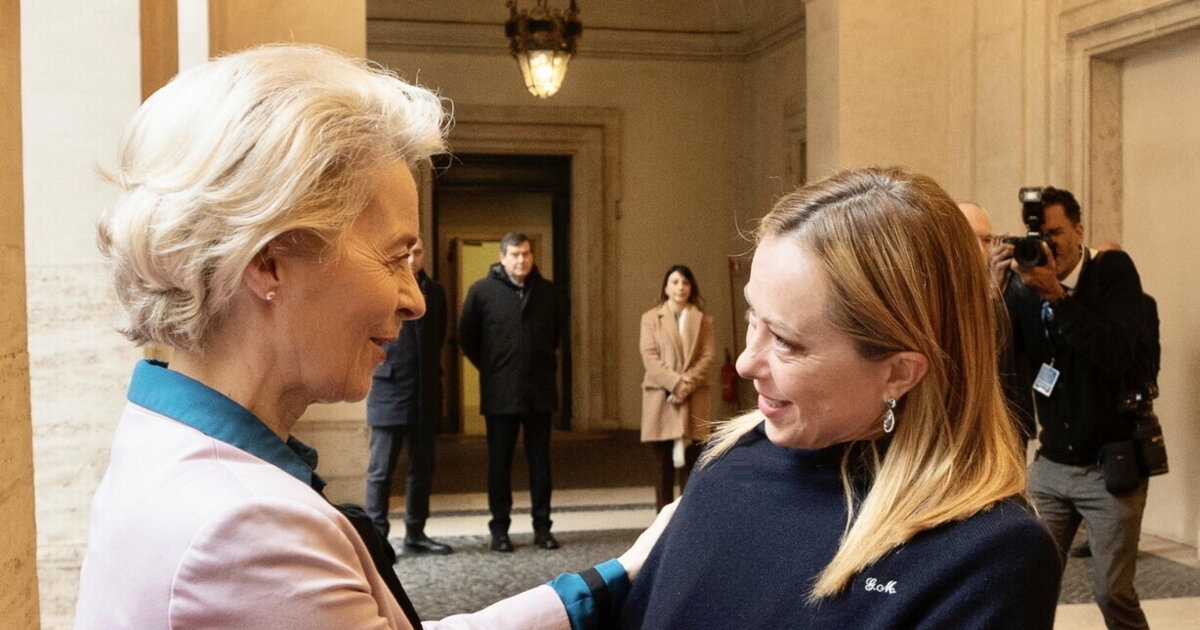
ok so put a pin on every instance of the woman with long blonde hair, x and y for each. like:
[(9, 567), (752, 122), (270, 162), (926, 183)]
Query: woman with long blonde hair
[(879, 483)]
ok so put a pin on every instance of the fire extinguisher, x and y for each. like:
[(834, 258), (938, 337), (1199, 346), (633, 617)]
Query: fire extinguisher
[(729, 379)]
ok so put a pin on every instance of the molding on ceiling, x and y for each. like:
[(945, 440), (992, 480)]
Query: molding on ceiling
[(477, 38)]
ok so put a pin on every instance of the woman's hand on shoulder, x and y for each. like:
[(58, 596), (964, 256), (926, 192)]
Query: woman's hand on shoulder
[(635, 557)]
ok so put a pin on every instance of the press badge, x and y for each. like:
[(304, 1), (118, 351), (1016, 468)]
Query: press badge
[(1046, 378)]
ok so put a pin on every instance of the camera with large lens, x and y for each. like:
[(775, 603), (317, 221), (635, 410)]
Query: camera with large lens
[(1150, 448), (1027, 250)]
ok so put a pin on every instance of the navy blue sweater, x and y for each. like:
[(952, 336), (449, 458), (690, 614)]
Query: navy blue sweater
[(758, 525)]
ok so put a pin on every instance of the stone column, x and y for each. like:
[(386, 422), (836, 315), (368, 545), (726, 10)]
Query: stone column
[(237, 24), (891, 83), (18, 554)]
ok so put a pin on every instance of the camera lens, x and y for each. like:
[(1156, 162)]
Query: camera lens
[(1027, 251)]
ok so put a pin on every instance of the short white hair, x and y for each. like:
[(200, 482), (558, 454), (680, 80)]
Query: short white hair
[(236, 152)]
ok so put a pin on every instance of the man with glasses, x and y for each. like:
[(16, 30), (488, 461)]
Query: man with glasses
[(1075, 321)]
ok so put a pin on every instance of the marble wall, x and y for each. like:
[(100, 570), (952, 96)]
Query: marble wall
[(79, 371), (80, 84)]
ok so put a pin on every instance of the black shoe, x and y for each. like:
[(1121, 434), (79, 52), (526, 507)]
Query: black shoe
[(424, 544), (501, 543), (545, 540)]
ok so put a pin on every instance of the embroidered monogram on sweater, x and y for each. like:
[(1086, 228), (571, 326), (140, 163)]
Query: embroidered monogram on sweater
[(874, 585)]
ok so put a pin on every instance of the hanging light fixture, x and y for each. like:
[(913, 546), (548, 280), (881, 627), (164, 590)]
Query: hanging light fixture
[(543, 40)]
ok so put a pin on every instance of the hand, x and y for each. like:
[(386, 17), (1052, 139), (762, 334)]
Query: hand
[(1000, 260), (683, 389), (635, 557), (1042, 279)]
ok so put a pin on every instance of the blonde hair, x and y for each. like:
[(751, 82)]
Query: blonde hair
[(276, 140), (903, 274)]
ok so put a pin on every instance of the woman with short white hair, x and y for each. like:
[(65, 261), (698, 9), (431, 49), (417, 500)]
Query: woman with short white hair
[(267, 213)]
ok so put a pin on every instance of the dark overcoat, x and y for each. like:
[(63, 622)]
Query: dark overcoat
[(407, 387), (511, 335), (1090, 340)]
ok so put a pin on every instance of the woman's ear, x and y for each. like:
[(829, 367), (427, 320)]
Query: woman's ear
[(906, 369), (261, 275)]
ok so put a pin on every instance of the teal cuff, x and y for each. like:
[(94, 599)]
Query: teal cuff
[(581, 600)]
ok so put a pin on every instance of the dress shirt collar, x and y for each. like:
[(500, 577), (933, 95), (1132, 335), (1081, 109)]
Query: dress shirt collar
[(1072, 278), (212, 413)]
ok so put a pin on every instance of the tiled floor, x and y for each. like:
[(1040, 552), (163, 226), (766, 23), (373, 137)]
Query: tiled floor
[(633, 508), (1181, 613)]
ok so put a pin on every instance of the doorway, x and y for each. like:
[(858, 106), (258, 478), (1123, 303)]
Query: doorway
[(1160, 157), (477, 198)]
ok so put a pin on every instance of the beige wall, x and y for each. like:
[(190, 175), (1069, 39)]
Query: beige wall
[(988, 96), (680, 122), (467, 214), (770, 130), (1161, 133), (955, 90), (238, 24), (18, 554)]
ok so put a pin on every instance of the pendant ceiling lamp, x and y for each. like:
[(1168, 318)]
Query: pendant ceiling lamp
[(543, 41)]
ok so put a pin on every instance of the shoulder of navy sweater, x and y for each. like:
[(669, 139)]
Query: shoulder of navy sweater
[(1005, 538)]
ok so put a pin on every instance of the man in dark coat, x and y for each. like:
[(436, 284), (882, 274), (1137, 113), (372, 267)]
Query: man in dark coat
[(1075, 322), (509, 329), (406, 403)]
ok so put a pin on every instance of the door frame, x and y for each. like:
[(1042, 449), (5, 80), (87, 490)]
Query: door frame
[(591, 137)]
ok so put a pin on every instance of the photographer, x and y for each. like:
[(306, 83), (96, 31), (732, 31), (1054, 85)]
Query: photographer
[(1076, 315)]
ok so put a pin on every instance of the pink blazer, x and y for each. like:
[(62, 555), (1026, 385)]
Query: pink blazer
[(190, 532)]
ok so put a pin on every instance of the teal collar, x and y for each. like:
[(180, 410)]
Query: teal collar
[(212, 413)]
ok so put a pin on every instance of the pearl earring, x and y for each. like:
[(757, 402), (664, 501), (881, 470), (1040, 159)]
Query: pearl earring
[(889, 416), (269, 296)]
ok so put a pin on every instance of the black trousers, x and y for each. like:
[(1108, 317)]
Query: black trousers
[(664, 490), (502, 441), (386, 443)]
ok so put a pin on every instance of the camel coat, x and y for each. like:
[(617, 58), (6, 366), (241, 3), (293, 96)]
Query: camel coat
[(668, 357)]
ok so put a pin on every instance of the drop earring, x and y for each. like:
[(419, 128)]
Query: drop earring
[(889, 416)]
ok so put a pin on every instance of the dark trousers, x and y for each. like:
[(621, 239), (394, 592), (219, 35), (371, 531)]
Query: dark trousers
[(664, 490), (386, 443), (1067, 495), (502, 441)]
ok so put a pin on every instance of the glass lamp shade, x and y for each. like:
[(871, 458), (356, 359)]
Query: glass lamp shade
[(543, 70)]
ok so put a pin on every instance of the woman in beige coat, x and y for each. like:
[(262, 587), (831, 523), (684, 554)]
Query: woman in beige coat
[(677, 346)]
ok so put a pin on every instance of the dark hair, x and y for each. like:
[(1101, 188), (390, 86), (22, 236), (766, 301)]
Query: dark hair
[(693, 297), (1058, 197), (512, 239)]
